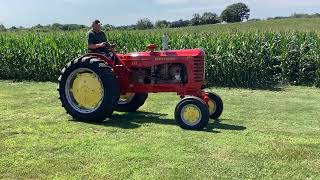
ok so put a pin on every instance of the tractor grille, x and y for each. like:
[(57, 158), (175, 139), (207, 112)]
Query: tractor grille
[(198, 69)]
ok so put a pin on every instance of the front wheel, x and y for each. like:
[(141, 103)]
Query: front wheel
[(192, 113), (215, 106), (131, 102)]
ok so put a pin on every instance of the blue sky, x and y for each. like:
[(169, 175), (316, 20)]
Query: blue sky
[(120, 12)]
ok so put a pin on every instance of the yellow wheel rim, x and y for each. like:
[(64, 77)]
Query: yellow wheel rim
[(212, 107), (124, 99), (87, 90), (191, 114)]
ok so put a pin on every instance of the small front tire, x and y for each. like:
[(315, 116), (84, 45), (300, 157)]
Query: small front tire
[(131, 102), (215, 105), (192, 113)]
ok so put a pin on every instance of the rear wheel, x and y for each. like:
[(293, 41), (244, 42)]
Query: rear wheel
[(88, 89), (192, 113), (131, 102), (215, 106)]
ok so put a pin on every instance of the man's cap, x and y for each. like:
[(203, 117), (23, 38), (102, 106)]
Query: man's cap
[(96, 21)]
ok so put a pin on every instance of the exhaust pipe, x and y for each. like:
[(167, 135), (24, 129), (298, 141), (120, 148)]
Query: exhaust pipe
[(165, 41)]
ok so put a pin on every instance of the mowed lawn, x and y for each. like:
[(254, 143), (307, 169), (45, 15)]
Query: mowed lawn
[(261, 135)]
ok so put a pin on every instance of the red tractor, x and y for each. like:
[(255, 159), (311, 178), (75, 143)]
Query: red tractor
[(93, 86)]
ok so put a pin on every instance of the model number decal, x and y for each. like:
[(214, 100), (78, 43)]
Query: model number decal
[(172, 58), (165, 58)]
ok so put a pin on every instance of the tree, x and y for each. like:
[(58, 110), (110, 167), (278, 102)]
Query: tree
[(162, 24), (196, 20), (316, 15), (66, 27), (236, 13), (57, 26), (2, 27), (209, 18), (38, 26), (13, 28), (127, 27), (180, 23), (296, 15), (144, 24), (254, 20), (108, 27)]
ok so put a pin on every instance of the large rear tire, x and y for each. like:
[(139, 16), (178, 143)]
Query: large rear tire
[(131, 102), (88, 89)]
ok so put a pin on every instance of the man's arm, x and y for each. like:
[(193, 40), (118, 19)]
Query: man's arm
[(96, 46)]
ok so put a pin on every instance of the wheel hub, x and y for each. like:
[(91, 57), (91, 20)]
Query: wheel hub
[(124, 99), (212, 107), (87, 90), (191, 114), (84, 90)]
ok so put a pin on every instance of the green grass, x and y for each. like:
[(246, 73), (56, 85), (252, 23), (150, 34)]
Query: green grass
[(262, 135)]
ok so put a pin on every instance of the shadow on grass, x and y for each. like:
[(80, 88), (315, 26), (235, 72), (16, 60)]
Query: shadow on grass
[(217, 124), (276, 88), (137, 119), (273, 89)]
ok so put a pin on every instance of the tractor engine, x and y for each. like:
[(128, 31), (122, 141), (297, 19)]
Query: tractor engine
[(171, 73)]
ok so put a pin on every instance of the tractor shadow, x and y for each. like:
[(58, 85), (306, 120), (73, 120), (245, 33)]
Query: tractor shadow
[(218, 125), (137, 119)]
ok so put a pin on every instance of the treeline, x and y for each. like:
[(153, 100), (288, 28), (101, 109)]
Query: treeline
[(297, 15), (197, 19), (55, 26), (234, 13)]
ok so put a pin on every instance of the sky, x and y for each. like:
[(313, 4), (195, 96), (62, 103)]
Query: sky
[(123, 12)]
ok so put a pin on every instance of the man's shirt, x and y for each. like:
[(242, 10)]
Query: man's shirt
[(96, 38)]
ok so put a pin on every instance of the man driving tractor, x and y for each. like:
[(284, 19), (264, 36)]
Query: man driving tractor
[(97, 39)]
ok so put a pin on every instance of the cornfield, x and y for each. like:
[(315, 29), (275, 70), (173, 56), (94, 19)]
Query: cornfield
[(255, 59)]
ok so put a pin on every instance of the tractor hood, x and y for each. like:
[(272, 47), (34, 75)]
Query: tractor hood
[(170, 53)]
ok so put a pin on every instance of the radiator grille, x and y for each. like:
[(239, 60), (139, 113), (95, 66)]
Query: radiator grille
[(198, 70)]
